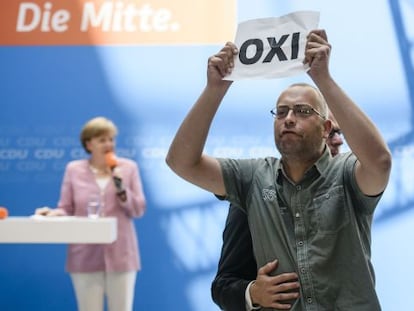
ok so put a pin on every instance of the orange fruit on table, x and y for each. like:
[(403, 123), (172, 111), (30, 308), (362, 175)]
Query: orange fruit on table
[(3, 212)]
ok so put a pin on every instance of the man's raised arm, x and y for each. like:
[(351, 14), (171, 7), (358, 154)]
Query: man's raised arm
[(374, 158), (185, 156)]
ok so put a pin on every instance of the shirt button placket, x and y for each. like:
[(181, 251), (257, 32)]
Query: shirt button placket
[(300, 236)]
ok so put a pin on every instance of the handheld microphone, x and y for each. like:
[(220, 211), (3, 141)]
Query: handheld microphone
[(110, 159), (112, 162)]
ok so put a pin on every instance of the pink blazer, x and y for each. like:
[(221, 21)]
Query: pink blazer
[(123, 254)]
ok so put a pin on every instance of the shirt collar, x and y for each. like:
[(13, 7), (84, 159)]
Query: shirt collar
[(320, 165)]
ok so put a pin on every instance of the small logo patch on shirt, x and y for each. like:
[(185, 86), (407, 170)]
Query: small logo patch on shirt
[(269, 194)]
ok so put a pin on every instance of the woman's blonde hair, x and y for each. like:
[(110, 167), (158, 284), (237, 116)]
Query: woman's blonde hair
[(96, 127)]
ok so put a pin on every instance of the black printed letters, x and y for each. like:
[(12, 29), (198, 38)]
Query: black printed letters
[(275, 49)]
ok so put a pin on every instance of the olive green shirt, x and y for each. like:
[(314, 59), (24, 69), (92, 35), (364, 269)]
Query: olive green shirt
[(319, 228)]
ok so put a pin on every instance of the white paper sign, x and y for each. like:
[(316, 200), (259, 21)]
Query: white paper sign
[(272, 47)]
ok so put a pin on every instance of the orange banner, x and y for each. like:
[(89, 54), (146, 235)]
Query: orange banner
[(111, 22)]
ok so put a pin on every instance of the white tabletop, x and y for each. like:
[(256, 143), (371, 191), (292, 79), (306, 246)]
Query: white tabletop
[(59, 229)]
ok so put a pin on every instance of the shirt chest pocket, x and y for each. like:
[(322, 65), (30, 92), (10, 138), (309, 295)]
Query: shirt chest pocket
[(328, 212)]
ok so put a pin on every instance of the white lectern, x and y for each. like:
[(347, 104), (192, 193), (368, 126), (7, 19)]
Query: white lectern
[(59, 229)]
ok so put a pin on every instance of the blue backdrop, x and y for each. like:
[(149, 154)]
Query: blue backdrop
[(47, 93)]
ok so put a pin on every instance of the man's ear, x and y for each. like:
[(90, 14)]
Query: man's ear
[(327, 128)]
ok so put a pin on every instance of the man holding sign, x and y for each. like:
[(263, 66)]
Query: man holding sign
[(237, 268), (308, 210)]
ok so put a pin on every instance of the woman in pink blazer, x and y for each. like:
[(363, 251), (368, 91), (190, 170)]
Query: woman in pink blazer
[(99, 270)]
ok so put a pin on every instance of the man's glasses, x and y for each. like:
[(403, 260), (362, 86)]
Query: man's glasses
[(301, 111), (334, 132)]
